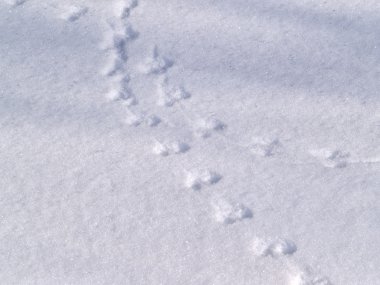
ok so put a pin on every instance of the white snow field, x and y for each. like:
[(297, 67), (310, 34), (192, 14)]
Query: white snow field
[(190, 142)]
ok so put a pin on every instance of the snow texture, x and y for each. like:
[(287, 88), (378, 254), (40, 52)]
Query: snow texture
[(189, 142)]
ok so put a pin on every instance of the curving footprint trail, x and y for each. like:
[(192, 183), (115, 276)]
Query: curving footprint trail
[(120, 34), (169, 95), (225, 211)]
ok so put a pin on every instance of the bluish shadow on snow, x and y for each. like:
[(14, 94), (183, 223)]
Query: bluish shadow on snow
[(45, 78), (278, 44)]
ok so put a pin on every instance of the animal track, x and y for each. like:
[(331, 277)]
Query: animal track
[(264, 147), (174, 147), (133, 119), (331, 158), (274, 248), (73, 13), (153, 120), (116, 42), (123, 95), (206, 127), (114, 65), (155, 64), (307, 277), (121, 91), (195, 180), (117, 37), (123, 8), (229, 213), (160, 149), (168, 95), (179, 147), (226, 212)]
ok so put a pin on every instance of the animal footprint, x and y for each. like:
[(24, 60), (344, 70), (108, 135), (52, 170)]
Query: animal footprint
[(122, 92), (175, 147), (307, 277), (136, 119), (118, 36), (229, 213), (331, 158), (123, 8), (275, 248), (264, 147), (114, 65), (168, 95), (133, 119), (206, 127), (121, 95), (195, 180), (155, 64), (152, 120), (73, 13)]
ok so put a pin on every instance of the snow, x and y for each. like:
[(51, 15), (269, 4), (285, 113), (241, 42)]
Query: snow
[(274, 248), (189, 142)]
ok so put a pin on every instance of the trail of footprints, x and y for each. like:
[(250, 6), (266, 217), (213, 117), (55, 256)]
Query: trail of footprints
[(120, 34), (226, 212)]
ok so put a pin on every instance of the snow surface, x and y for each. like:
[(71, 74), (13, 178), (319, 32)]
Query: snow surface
[(190, 142)]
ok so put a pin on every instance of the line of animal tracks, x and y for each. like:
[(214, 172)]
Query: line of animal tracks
[(165, 109), (121, 34)]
